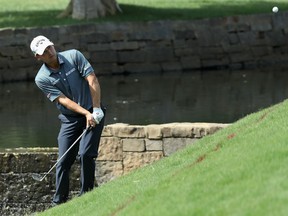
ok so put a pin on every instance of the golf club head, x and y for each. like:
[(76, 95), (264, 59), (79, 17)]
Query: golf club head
[(37, 177)]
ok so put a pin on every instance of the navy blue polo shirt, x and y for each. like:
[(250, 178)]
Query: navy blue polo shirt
[(68, 80)]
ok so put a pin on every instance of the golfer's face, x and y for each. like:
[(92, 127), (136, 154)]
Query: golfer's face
[(49, 55)]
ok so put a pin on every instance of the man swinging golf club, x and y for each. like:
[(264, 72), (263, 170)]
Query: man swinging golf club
[(68, 79)]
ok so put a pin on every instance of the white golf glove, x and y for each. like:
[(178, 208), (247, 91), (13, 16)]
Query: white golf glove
[(97, 114)]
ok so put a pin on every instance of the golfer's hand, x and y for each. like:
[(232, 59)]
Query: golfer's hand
[(90, 121), (97, 115)]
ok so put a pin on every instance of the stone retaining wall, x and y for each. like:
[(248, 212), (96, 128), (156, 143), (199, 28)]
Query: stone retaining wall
[(234, 42), (123, 148)]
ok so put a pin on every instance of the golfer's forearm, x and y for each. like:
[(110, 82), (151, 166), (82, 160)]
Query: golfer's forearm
[(95, 89), (71, 105), (95, 94)]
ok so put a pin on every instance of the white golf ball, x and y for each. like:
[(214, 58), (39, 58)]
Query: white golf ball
[(275, 9)]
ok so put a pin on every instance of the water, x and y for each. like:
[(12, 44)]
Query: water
[(28, 119)]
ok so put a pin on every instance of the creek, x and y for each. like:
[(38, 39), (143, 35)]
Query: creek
[(28, 119)]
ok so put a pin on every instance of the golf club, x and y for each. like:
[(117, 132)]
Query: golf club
[(38, 177)]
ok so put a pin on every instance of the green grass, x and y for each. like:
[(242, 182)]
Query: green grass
[(240, 170), (37, 13)]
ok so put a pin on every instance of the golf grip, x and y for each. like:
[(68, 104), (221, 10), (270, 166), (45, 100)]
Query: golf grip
[(67, 150)]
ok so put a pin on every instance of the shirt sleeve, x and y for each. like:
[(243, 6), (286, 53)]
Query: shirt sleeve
[(83, 66), (48, 89)]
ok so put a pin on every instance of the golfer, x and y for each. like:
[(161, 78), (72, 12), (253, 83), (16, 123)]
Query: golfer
[(67, 79)]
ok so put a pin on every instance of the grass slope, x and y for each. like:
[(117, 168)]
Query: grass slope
[(37, 13), (240, 170)]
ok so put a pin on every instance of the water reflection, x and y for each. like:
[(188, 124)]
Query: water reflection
[(28, 119)]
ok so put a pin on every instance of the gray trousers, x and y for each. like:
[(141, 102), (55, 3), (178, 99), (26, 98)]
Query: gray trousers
[(86, 150)]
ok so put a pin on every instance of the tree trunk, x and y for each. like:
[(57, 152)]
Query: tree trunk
[(90, 9)]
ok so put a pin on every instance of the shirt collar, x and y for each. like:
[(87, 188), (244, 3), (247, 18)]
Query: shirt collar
[(61, 61)]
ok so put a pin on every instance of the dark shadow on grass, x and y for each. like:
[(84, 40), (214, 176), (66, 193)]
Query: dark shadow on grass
[(139, 13), (34, 19)]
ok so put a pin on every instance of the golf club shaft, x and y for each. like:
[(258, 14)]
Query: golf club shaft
[(64, 154)]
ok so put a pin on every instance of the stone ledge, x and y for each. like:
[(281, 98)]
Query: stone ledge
[(160, 46), (123, 148)]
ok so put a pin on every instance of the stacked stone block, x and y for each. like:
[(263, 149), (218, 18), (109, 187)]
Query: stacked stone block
[(123, 148), (236, 42)]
